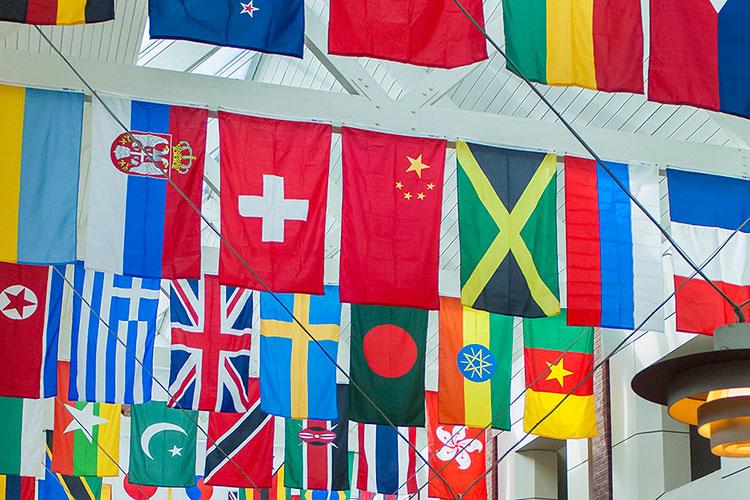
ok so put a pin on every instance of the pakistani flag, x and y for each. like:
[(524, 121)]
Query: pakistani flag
[(508, 230), (162, 445)]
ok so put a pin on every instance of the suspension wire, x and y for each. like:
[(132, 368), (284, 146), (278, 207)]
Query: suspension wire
[(623, 343), (247, 266), (737, 309), (98, 444)]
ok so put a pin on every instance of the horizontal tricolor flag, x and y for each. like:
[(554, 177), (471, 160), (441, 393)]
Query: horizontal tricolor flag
[(57, 11), (699, 54), (613, 251), (596, 44), (705, 211), (39, 172), (137, 224)]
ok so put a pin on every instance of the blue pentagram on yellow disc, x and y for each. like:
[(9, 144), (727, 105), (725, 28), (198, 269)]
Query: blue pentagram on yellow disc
[(476, 362)]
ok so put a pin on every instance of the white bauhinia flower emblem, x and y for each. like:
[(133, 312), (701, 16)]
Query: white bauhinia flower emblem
[(456, 445)]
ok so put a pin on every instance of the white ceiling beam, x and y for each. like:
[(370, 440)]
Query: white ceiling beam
[(346, 70), (7, 29), (275, 101), (436, 84)]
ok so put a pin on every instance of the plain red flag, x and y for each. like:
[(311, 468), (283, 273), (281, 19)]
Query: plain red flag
[(431, 33), (458, 452), (390, 222), (274, 185)]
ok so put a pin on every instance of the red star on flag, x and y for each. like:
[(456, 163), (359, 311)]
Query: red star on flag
[(248, 8), (18, 302)]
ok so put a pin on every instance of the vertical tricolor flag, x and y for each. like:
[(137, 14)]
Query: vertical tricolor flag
[(40, 141), (596, 44), (699, 54), (387, 461), (17, 487), (705, 211), (138, 225), (557, 360), (22, 437), (476, 348), (57, 11), (613, 251)]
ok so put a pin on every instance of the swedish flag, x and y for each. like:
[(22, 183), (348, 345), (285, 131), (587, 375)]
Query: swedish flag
[(508, 230)]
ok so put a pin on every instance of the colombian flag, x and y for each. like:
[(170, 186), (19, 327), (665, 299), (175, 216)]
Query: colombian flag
[(57, 11), (40, 144), (699, 54), (475, 366), (17, 488), (595, 44), (556, 358)]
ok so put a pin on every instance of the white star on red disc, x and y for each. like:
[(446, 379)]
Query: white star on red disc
[(248, 8)]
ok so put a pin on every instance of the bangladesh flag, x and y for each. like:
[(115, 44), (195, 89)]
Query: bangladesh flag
[(551, 373), (476, 349), (162, 445), (387, 364), (508, 230)]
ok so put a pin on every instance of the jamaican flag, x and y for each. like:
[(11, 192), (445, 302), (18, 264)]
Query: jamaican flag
[(508, 230)]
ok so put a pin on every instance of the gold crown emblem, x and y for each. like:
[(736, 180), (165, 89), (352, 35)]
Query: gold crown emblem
[(182, 157)]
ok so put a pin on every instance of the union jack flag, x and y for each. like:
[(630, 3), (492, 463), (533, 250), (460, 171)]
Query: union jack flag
[(210, 356)]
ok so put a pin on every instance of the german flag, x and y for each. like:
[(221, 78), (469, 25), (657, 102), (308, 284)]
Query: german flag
[(57, 12), (556, 358)]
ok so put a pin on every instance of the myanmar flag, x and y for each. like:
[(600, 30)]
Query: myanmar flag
[(557, 358), (57, 11), (508, 230), (87, 435), (387, 361), (476, 350), (595, 44)]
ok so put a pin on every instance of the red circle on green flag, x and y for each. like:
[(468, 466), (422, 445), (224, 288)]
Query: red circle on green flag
[(389, 351), (140, 492)]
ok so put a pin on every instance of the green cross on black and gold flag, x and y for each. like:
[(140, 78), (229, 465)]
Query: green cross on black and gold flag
[(508, 230)]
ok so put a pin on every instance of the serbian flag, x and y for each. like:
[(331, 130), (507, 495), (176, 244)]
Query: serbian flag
[(699, 54), (458, 452), (705, 211), (274, 185), (138, 225), (59, 12), (431, 33), (614, 259), (390, 227)]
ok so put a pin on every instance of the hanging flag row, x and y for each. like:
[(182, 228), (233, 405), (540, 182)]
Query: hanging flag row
[(143, 188)]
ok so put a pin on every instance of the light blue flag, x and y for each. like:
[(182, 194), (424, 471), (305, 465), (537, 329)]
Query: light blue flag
[(297, 376)]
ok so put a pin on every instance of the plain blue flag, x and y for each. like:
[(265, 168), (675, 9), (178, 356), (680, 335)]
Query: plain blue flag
[(273, 26)]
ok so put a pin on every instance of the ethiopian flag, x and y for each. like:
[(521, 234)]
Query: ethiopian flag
[(476, 348), (557, 358), (507, 228), (596, 44)]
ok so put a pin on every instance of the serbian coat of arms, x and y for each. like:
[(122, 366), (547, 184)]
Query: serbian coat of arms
[(150, 154)]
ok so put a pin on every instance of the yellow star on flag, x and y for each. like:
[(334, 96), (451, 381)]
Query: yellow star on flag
[(416, 165), (558, 372), (431, 186), (407, 196), (399, 184), (420, 196)]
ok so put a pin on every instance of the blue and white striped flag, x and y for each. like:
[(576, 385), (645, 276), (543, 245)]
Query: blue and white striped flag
[(102, 369)]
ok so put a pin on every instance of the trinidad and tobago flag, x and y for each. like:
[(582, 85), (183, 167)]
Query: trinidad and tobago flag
[(316, 451)]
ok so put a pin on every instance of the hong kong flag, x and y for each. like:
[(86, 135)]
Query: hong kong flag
[(274, 184), (30, 305)]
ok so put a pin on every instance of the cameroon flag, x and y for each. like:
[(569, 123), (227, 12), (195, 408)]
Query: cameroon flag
[(57, 11), (508, 230), (476, 350), (596, 44), (556, 358)]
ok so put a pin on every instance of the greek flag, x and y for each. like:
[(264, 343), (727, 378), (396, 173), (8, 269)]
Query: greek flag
[(112, 337)]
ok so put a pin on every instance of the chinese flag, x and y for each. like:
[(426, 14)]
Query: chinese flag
[(274, 185), (390, 227), (458, 452), (431, 33)]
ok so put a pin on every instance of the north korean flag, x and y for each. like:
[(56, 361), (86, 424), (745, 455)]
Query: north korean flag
[(274, 184)]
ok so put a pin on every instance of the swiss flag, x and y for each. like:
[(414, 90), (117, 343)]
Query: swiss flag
[(274, 185), (29, 297)]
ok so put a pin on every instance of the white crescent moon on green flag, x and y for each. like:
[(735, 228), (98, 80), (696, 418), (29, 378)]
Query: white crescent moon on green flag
[(154, 429)]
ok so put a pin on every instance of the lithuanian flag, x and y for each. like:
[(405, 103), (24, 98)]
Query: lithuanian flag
[(556, 358), (475, 366), (57, 11), (596, 44)]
